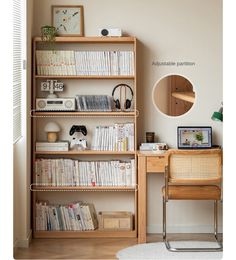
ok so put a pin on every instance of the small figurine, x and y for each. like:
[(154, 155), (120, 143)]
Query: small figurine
[(78, 143)]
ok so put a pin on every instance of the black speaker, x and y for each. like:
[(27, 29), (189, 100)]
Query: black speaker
[(128, 102)]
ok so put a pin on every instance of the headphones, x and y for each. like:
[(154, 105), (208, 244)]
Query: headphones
[(127, 103)]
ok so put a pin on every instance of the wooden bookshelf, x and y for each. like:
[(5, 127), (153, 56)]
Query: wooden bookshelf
[(38, 117)]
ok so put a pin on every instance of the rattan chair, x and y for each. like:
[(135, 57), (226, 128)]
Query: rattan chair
[(193, 175)]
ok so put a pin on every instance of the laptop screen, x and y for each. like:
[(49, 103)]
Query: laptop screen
[(194, 137)]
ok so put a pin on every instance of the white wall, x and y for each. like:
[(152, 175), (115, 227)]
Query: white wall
[(167, 30)]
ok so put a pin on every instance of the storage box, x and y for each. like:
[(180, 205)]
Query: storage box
[(115, 220)]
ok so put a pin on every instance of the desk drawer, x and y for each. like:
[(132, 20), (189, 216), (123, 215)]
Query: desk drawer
[(156, 164)]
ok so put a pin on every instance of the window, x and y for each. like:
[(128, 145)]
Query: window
[(17, 69)]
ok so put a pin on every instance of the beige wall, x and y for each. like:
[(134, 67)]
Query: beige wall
[(167, 30)]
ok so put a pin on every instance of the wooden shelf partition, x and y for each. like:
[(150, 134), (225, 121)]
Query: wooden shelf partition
[(87, 152), (186, 96), (82, 188), (85, 77), (92, 40), (81, 114), (84, 234)]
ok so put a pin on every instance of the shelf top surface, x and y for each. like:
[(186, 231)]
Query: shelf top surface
[(91, 39), (86, 152)]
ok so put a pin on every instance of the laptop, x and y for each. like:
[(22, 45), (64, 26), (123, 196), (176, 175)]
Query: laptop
[(194, 137)]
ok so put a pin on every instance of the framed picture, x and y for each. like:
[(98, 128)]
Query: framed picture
[(68, 20), (199, 137)]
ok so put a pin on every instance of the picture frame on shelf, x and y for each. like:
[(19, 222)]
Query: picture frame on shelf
[(68, 19)]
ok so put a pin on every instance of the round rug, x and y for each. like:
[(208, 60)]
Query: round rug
[(158, 251)]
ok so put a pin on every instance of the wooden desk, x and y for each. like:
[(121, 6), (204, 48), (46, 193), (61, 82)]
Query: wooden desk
[(147, 163)]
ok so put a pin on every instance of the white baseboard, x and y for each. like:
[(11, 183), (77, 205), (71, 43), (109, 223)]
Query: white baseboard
[(23, 242), (183, 229)]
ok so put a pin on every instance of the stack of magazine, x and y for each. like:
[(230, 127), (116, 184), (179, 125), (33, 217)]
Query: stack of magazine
[(68, 172), (74, 216), (94, 103)]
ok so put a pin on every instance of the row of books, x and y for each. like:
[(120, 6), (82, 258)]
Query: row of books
[(76, 216), (101, 63), (94, 103), (118, 137), (68, 172)]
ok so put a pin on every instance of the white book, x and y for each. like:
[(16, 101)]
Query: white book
[(97, 173), (128, 173), (132, 63), (76, 211), (130, 127), (113, 175), (122, 173), (82, 182), (93, 174), (84, 216), (133, 173), (93, 215), (71, 218), (77, 214), (53, 168), (78, 63), (76, 173), (106, 63)]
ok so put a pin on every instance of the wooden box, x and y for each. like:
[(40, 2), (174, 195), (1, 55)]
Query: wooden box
[(115, 220)]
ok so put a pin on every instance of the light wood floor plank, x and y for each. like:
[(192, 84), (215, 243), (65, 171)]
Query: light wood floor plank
[(91, 248)]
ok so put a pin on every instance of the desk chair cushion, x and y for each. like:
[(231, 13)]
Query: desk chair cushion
[(193, 192)]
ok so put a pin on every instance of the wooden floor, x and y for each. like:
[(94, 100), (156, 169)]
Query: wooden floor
[(96, 248)]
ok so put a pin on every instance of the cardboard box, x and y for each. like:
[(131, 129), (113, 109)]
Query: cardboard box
[(115, 220)]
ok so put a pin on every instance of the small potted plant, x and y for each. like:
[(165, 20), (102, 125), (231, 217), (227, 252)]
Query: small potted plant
[(48, 34)]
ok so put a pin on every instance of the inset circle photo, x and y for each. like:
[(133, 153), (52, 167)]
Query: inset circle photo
[(173, 95)]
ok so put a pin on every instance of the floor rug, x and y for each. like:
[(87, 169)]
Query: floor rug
[(153, 251)]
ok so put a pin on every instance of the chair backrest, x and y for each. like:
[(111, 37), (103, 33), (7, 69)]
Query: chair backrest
[(194, 166)]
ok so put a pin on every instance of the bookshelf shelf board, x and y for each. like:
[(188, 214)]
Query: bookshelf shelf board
[(186, 96), (82, 114), (87, 152), (91, 39), (81, 188), (83, 234), (84, 77)]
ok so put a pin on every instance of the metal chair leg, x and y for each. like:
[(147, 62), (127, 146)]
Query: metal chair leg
[(216, 223), (173, 249), (164, 219)]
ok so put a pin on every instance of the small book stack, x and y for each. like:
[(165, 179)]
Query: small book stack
[(68, 172), (118, 137), (94, 103), (154, 147), (62, 146), (77, 216)]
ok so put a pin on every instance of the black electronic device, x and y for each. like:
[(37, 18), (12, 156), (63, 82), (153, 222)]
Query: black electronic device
[(128, 102), (78, 128)]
